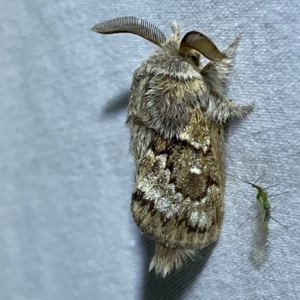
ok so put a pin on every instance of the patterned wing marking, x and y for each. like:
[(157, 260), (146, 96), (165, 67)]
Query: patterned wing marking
[(178, 194)]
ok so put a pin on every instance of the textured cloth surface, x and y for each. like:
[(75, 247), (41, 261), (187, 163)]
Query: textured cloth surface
[(66, 175)]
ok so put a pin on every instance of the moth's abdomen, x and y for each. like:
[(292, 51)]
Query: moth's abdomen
[(178, 195)]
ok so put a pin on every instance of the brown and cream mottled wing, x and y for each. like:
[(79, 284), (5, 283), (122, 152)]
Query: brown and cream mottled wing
[(178, 194)]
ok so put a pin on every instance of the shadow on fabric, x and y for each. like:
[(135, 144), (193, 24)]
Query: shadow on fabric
[(118, 104)]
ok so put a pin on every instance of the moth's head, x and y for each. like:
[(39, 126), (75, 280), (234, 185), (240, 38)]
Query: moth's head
[(191, 46), (195, 43)]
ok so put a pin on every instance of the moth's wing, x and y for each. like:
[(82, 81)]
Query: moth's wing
[(179, 187)]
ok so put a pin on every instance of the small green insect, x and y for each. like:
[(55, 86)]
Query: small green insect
[(262, 198)]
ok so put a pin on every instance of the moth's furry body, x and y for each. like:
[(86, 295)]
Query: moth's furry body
[(175, 116)]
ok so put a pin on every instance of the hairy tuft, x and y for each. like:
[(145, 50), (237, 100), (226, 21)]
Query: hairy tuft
[(176, 30), (167, 259)]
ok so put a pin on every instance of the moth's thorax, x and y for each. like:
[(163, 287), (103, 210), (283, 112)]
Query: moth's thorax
[(166, 88), (167, 61)]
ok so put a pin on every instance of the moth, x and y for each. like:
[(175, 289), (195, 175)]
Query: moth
[(176, 116), (263, 201)]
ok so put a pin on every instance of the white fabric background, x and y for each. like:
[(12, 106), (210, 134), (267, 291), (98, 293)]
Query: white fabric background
[(66, 175)]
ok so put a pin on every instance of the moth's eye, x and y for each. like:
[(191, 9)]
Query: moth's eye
[(193, 57)]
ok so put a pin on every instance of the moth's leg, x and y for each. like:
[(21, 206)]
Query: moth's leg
[(221, 109)]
